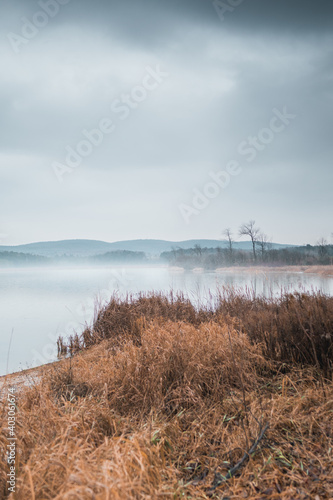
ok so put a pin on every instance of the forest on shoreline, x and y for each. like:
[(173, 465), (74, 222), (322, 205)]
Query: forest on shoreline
[(206, 258)]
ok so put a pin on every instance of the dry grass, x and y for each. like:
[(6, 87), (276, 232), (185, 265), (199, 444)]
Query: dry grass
[(293, 329), (123, 318), (167, 399)]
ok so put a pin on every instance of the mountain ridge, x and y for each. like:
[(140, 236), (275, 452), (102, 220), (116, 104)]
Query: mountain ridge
[(152, 247)]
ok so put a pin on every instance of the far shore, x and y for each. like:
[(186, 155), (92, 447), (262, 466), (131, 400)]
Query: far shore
[(319, 270)]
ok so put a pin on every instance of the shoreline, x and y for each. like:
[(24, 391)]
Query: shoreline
[(317, 270), (19, 378)]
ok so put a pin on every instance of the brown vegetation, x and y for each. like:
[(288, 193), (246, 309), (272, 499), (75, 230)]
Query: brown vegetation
[(163, 400)]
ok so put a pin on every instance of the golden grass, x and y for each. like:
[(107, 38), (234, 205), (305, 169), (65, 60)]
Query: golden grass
[(164, 407)]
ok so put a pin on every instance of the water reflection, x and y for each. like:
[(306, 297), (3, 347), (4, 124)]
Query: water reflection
[(41, 304)]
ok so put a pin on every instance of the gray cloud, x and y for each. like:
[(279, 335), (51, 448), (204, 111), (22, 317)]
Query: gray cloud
[(224, 80)]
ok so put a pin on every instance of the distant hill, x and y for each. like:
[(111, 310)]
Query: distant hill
[(88, 248), (82, 248), (21, 259), (116, 257)]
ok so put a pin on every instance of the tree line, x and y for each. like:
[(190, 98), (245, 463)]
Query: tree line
[(262, 252)]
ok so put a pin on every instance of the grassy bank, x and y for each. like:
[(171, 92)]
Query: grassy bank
[(162, 400)]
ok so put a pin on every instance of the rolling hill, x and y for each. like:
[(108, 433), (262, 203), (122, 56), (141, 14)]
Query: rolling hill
[(87, 248)]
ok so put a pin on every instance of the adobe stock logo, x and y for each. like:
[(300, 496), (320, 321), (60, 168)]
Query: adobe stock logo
[(31, 28), (227, 6), (122, 109), (249, 148)]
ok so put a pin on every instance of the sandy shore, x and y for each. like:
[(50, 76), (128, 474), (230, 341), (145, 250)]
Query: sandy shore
[(25, 378)]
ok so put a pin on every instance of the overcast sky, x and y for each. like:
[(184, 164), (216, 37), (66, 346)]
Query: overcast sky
[(208, 117)]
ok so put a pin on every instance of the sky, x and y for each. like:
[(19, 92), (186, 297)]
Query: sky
[(167, 119)]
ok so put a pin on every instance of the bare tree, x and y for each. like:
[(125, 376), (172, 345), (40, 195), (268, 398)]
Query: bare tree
[(323, 247), (250, 229), (228, 233), (198, 250), (263, 243), (174, 251)]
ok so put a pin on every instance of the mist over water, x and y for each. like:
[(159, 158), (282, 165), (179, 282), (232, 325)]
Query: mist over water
[(41, 304)]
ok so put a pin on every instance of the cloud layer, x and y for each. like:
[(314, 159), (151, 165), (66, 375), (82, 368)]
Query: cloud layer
[(70, 65)]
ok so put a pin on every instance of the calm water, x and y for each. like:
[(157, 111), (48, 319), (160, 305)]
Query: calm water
[(38, 305)]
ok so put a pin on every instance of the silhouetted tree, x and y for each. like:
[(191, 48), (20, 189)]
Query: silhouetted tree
[(263, 244), (322, 248), (198, 250), (250, 229), (228, 233)]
